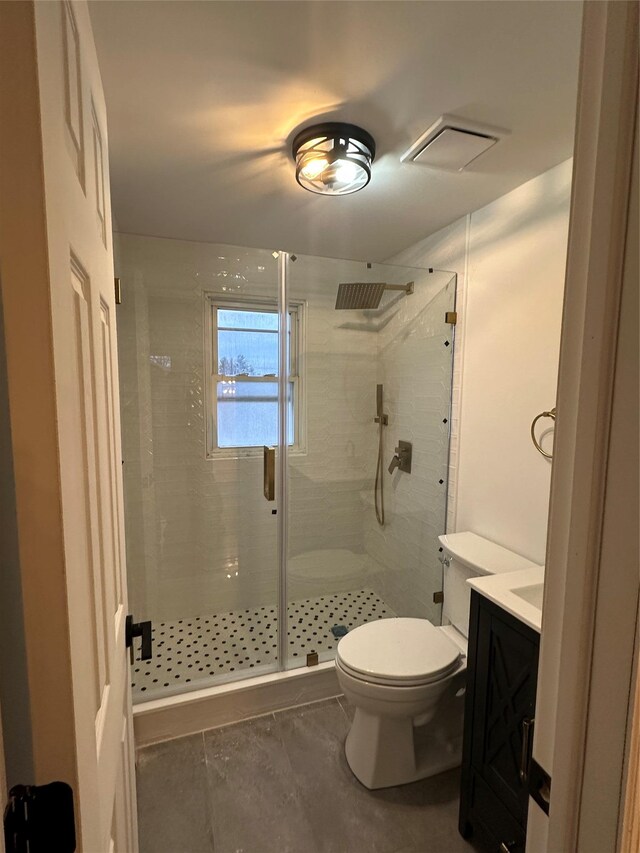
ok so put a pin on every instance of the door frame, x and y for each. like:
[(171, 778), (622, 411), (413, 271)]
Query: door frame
[(591, 584)]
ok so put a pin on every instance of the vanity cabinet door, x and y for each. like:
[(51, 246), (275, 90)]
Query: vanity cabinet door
[(502, 674)]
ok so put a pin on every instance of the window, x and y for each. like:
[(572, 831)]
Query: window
[(243, 398)]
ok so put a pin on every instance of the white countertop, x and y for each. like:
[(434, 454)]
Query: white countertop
[(507, 591)]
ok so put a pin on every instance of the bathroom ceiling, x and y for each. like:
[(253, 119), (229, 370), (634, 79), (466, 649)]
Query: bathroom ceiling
[(204, 99)]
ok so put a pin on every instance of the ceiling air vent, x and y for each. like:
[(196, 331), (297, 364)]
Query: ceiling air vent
[(452, 143)]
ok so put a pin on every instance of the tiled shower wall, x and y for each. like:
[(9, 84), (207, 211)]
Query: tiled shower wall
[(414, 365), (200, 536), (448, 250)]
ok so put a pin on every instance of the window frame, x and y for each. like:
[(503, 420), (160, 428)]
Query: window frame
[(261, 304)]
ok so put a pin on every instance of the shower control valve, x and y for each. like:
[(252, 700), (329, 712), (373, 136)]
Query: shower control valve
[(395, 463), (402, 458)]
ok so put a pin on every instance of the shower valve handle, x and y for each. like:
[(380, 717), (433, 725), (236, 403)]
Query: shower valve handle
[(402, 457)]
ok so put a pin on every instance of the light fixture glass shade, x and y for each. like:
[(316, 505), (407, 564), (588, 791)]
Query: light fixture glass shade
[(333, 158)]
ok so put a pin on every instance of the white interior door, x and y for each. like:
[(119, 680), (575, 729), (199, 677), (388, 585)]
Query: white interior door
[(60, 330)]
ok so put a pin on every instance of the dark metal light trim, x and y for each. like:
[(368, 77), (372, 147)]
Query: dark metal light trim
[(343, 148)]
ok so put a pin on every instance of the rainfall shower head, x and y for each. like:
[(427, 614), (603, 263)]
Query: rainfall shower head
[(365, 294)]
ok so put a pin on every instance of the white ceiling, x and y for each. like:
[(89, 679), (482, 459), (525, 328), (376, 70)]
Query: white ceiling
[(204, 97)]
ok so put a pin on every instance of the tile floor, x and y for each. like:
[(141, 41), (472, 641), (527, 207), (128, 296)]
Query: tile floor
[(197, 652), (280, 784)]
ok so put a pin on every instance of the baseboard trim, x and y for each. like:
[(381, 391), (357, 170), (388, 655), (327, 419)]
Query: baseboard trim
[(189, 713)]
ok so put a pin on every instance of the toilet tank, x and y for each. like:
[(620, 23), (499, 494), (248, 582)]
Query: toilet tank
[(467, 555)]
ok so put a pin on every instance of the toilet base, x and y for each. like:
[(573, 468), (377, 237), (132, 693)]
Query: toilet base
[(386, 751)]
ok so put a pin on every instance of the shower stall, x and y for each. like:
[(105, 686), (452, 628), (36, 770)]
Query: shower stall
[(252, 429)]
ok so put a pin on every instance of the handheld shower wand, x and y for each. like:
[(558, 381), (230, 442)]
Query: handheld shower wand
[(382, 420)]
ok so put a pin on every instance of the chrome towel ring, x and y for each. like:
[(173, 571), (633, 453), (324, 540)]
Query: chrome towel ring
[(552, 415)]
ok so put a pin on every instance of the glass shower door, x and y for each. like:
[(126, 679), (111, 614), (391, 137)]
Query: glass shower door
[(372, 373), (198, 333), (260, 395)]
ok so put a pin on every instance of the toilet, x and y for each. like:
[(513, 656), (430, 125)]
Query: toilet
[(406, 677)]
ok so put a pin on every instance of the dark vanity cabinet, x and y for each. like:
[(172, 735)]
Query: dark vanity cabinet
[(498, 727)]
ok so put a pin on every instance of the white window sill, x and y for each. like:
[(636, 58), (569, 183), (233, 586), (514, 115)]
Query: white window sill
[(247, 453)]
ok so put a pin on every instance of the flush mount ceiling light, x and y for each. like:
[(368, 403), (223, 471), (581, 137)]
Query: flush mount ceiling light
[(333, 158)]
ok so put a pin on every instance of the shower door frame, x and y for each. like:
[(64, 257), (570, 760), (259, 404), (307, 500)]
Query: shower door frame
[(282, 502)]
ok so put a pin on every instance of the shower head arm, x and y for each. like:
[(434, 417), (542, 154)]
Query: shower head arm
[(405, 288)]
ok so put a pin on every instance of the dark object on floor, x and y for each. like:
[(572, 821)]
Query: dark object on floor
[(339, 630)]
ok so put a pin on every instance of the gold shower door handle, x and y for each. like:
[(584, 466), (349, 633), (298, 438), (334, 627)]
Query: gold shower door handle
[(269, 472)]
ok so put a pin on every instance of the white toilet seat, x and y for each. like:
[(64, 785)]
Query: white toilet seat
[(377, 680), (398, 652)]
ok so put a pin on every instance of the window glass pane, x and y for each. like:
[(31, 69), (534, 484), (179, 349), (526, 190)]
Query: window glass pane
[(247, 411), (253, 353), (248, 414), (248, 319)]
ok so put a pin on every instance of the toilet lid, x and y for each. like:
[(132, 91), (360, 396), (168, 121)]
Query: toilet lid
[(398, 651)]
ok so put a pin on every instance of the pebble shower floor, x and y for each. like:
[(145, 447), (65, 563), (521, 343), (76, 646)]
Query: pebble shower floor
[(189, 651)]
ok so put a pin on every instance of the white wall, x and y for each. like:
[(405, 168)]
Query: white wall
[(517, 257), (511, 259)]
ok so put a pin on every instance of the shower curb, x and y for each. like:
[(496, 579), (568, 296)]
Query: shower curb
[(189, 713)]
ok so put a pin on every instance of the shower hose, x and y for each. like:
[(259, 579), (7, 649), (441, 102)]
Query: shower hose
[(379, 484)]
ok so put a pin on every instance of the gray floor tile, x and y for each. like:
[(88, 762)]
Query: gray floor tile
[(429, 811), (348, 708), (254, 801), (173, 809), (300, 710), (281, 784), (345, 816)]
